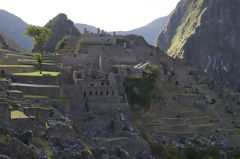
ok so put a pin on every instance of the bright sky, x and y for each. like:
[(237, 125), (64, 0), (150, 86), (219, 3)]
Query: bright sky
[(110, 15)]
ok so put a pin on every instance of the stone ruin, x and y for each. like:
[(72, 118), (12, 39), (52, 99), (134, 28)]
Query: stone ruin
[(100, 37)]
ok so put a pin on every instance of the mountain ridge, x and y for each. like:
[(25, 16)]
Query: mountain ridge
[(14, 27)]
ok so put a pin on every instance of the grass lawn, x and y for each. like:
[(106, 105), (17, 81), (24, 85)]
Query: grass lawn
[(16, 66), (3, 80), (34, 96), (16, 114), (36, 73), (31, 60)]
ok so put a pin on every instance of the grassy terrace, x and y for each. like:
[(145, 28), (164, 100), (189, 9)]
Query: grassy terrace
[(3, 80), (16, 114), (24, 66), (36, 73), (35, 96)]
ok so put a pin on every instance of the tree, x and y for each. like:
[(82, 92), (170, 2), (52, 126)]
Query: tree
[(41, 36), (39, 59)]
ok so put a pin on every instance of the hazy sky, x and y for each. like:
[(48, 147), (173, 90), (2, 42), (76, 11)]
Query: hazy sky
[(111, 15)]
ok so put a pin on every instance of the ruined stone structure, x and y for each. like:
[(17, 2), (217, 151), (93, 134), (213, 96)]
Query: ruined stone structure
[(95, 85), (102, 38)]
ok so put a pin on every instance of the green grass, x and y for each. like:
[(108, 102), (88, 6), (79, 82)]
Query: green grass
[(35, 96), (60, 99), (3, 80), (23, 66), (36, 73), (31, 60), (16, 114), (191, 21)]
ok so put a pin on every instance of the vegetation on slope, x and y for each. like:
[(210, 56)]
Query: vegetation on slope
[(139, 89), (190, 22)]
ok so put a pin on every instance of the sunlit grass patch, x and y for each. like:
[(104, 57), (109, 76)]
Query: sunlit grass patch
[(22, 66), (36, 73), (16, 114), (34, 96), (3, 80)]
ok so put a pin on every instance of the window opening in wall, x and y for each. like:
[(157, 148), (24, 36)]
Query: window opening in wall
[(96, 93), (107, 93), (101, 93), (102, 83), (113, 93), (90, 93), (85, 94)]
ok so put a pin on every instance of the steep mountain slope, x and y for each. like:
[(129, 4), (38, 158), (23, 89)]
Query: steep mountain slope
[(61, 26), (81, 27), (151, 31), (8, 44), (14, 28), (206, 33)]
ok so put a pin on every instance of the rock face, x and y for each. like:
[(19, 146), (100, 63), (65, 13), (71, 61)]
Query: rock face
[(61, 26), (206, 33), (14, 28)]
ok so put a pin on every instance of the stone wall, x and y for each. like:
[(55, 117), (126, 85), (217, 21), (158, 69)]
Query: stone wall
[(16, 69), (44, 91), (52, 80)]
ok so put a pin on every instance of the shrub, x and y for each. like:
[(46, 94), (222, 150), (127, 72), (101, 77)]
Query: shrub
[(79, 46), (139, 89), (61, 43)]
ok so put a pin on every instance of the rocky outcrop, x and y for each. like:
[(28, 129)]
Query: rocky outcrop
[(206, 33), (60, 26)]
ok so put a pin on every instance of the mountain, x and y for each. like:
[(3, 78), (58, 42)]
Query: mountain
[(14, 28), (151, 31), (8, 44), (206, 33), (81, 27), (61, 26)]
